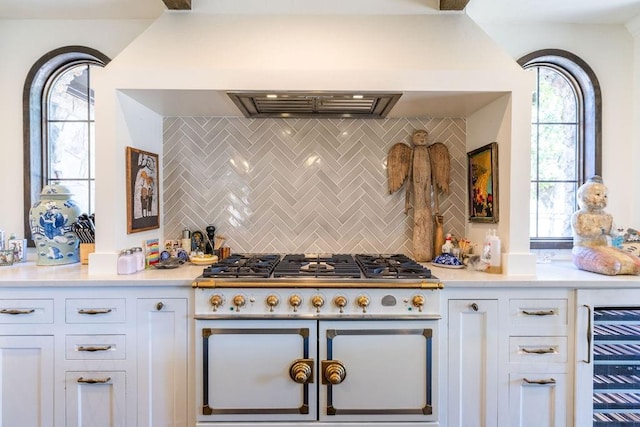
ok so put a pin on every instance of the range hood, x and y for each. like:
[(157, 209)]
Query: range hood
[(357, 105)]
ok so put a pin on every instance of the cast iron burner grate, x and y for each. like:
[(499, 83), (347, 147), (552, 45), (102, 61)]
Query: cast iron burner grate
[(243, 265), (318, 265), (396, 266)]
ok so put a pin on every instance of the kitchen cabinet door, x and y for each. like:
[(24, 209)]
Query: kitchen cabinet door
[(473, 363), (96, 399), (538, 400), (162, 334), (27, 378)]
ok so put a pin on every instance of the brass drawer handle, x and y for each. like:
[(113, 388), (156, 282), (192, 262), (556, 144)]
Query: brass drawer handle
[(92, 311), (550, 381), (15, 311), (539, 313), (95, 348), (94, 380), (539, 350)]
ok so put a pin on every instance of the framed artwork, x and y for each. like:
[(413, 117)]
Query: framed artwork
[(143, 207), (482, 171)]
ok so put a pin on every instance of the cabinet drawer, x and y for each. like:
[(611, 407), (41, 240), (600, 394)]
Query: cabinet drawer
[(101, 310), (95, 347), (542, 316), (538, 350), (26, 311)]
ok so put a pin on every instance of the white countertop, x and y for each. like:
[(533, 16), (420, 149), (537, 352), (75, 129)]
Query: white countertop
[(558, 273)]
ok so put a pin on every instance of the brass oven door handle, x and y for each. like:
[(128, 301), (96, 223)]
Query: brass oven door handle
[(333, 372), (93, 311), (15, 311), (301, 371), (94, 380)]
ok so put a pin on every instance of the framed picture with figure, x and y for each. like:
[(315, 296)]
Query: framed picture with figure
[(482, 171), (143, 185)]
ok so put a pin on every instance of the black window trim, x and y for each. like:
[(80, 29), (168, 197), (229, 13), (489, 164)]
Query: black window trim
[(33, 108), (590, 94)]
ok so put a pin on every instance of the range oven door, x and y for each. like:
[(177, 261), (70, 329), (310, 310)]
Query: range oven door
[(256, 370), (378, 371), (309, 371)]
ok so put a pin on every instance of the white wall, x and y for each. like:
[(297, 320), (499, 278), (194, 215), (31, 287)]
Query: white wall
[(22, 43), (609, 51)]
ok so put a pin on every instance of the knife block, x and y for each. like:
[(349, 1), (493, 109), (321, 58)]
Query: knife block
[(85, 250)]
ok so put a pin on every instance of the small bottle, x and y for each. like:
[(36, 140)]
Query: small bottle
[(139, 257), (126, 262), (448, 245), (494, 249)]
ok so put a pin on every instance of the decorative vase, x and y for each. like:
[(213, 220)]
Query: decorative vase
[(50, 221)]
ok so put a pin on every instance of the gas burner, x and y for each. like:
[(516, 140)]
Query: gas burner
[(393, 266), (244, 265), (317, 265)]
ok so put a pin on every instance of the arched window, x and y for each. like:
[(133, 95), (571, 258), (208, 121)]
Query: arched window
[(59, 125), (566, 134)]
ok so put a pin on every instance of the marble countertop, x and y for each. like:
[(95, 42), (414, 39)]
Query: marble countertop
[(557, 273)]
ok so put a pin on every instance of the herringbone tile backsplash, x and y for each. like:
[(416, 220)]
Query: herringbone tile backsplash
[(299, 185)]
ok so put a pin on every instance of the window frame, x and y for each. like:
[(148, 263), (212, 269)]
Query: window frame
[(34, 104), (589, 95)]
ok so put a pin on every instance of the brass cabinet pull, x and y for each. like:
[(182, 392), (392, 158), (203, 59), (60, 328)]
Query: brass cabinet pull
[(539, 350), (92, 311), (539, 313), (94, 380), (475, 307), (301, 371), (95, 348), (15, 311), (589, 335), (159, 306), (550, 381)]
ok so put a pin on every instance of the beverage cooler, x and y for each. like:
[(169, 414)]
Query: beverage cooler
[(608, 358)]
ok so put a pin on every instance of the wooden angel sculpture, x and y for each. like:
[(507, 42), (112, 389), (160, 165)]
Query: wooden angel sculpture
[(424, 169)]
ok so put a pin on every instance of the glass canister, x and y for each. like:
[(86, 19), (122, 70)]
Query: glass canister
[(50, 221)]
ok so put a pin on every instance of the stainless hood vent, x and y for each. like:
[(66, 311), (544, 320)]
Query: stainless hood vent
[(357, 105)]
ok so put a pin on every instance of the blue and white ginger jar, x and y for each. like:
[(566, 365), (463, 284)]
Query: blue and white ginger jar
[(50, 221)]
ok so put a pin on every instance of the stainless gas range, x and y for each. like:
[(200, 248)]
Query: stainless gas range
[(317, 339)]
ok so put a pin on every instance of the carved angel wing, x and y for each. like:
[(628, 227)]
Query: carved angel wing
[(440, 165), (398, 164)]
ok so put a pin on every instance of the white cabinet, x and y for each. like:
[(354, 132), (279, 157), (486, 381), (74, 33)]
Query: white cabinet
[(509, 358), (27, 378), (162, 336), (96, 399), (537, 400), (94, 356), (473, 363)]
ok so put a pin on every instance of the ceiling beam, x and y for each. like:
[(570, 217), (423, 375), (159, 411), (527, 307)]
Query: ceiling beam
[(178, 4), (448, 4)]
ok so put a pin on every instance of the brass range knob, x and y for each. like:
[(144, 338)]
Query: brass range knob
[(340, 301), (333, 372), (301, 371), (239, 301), (418, 301), (272, 301), (317, 301), (216, 301), (295, 301), (363, 302)]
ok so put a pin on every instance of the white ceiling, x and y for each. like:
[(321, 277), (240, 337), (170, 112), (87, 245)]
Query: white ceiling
[(574, 11)]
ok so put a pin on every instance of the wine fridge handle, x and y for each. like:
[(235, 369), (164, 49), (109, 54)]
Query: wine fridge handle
[(589, 334)]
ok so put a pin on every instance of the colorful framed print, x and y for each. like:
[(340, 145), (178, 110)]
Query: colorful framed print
[(483, 183), (143, 182)]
